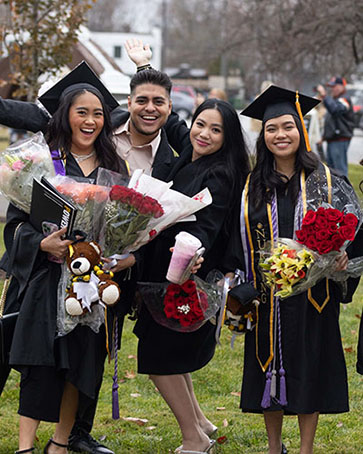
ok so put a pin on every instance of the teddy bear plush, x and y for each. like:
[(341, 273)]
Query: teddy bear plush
[(90, 283)]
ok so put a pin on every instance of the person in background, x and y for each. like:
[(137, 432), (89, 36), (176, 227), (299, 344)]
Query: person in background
[(218, 93), (338, 124)]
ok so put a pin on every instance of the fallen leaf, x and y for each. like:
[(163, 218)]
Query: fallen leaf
[(122, 380), (358, 316), (130, 374), (221, 408), (236, 393), (353, 331), (221, 440), (102, 437), (138, 421), (131, 357), (135, 395), (349, 349), (340, 424), (150, 427), (225, 423)]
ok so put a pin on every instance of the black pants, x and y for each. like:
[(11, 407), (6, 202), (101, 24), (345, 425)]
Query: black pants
[(87, 406)]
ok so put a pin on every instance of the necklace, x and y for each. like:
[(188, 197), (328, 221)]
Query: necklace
[(80, 158)]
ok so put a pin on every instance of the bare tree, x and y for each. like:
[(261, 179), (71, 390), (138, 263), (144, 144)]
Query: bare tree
[(38, 36)]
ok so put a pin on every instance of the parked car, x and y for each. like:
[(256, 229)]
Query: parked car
[(356, 95), (183, 104)]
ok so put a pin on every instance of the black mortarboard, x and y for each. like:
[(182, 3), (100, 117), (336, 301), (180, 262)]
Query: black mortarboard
[(82, 76), (277, 101)]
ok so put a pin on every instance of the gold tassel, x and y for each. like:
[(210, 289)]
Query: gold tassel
[(298, 108)]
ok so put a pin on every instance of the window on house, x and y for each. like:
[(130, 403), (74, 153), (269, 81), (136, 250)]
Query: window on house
[(117, 51)]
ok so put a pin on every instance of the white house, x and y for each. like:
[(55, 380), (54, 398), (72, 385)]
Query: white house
[(113, 44)]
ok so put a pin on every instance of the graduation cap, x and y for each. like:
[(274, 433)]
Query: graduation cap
[(81, 77), (277, 101)]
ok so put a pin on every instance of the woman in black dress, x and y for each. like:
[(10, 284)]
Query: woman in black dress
[(54, 370), (213, 155), (294, 361)]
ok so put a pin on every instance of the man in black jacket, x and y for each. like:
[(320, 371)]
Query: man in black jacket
[(339, 123), (142, 142)]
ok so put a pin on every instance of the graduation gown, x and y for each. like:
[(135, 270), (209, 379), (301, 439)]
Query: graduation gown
[(162, 350), (80, 354), (312, 352)]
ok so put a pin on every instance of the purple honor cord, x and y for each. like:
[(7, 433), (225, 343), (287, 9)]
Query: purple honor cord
[(115, 403)]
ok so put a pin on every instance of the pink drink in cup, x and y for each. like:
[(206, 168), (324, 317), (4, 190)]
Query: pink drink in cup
[(185, 247)]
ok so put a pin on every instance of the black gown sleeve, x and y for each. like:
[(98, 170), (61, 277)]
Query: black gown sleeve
[(23, 115), (178, 133), (27, 255)]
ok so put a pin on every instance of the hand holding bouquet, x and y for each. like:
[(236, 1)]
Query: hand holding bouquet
[(20, 163)]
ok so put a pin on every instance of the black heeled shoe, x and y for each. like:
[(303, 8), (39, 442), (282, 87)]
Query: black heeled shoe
[(23, 451), (51, 441), (283, 449)]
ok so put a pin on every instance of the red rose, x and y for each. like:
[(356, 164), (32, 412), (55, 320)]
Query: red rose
[(301, 235), (308, 229), (337, 241), (170, 310), (350, 219), (321, 223), (322, 235), (152, 233), (332, 227), (311, 242), (309, 218), (333, 214), (325, 246), (320, 211), (347, 232), (189, 287), (301, 274)]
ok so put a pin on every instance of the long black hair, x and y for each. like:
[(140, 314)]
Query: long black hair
[(265, 179), (59, 132), (234, 151)]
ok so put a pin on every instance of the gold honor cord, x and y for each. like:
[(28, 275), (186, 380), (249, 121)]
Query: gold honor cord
[(248, 230), (327, 290), (298, 108)]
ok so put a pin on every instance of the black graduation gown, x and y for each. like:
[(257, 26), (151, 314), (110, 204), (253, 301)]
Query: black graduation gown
[(80, 354), (312, 352), (161, 350)]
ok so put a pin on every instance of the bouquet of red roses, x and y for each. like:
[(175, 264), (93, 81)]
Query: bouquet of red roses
[(127, 213), (326, 229), (290, 266), (183, 307)]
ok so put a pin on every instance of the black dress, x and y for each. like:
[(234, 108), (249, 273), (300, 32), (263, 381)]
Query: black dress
[(312, 352), (162, 351), (78, 356)]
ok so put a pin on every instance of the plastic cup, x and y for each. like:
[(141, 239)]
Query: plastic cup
[(185, 247)]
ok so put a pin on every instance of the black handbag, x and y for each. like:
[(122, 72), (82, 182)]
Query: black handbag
[(8, 321)]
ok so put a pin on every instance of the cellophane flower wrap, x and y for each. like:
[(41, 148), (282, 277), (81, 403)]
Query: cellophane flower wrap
[(138, 210), (20, 163), (88, 198), (185, 307), (324, 233)]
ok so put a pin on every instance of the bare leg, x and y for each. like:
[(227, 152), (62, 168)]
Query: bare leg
[(175, 392), (27, 430), (307, 425), (273, 423), (204, 423), (67, 417)]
